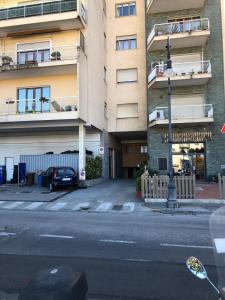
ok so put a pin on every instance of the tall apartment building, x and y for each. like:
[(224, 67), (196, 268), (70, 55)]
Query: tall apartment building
[(72, 76), (126, 85), (195, 29)]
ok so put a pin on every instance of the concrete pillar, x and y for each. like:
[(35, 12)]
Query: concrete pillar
[(82, 151)]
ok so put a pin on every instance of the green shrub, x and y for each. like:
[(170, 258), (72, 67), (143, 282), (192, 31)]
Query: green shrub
[(141, 170), (138, 184), (93, 167)]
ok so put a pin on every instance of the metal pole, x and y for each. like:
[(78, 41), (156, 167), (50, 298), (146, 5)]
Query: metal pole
[(172, 196)]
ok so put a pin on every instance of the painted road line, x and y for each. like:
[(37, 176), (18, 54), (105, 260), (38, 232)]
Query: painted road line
[(58, 206), (220, 245), (56, 236), (34, 205), (136, 260), (2, 202), (186, 246), (129, 206), (7, 233), (118, 242), (104, 207), (83, 205), (13, 205)]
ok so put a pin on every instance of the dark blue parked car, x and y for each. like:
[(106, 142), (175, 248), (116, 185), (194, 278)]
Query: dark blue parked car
[(56, 177)]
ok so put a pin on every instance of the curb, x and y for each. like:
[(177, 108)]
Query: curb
[(187, 201)]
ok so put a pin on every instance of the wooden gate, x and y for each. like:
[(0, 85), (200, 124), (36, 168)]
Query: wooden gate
[(157, 186)]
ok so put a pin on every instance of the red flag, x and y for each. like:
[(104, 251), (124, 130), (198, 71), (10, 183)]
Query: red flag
[(223, 129)]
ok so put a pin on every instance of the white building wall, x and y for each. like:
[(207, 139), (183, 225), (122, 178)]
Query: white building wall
[(16, 145)]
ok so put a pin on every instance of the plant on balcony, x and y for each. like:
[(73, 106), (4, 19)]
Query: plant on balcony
[(6, 60), (56, 55)]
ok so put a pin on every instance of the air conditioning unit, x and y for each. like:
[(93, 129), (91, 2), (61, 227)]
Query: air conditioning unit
[(160, 115)]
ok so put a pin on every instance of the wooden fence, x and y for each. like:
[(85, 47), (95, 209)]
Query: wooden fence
[(156, 186), (221, 180)]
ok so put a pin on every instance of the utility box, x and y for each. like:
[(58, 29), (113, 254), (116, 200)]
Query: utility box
[(60, 283)]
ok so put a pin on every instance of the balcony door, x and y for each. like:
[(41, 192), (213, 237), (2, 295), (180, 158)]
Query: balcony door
[(187, 64), (33, 52), (188, 106), (31, 100)]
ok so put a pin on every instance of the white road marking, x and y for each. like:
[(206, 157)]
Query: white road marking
[(129, 206), (220, 245), (104, 207), (56, 236), (117, 241), (2, 202), (13, 205), (137, 260), (7, 233), (34, 205), (81, 205), (186, 246), (58, 206)]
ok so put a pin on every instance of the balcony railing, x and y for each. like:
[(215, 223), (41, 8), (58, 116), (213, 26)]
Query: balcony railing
[(22, 59), (178, 27), (38, 9), (37, 106), (182, 112), (182, 69)]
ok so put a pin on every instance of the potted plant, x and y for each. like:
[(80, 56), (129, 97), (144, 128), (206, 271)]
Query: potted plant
[(6, 60), (138, 187), (56, 55)]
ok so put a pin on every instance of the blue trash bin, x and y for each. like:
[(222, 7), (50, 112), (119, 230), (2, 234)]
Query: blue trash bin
[(39, 181), (2, 174)]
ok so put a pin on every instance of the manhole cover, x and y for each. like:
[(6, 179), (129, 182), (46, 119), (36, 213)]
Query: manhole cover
[(118, 207)]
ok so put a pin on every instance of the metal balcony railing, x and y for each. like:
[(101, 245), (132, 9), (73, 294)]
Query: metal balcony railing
[(179, 27), (38, 9), (42, 105), (181, 69), (11, 59), (182, 112)]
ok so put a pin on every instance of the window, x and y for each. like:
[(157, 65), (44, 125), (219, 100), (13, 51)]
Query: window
[(144, 149), (162, 163), (129, 110), (33, 52), (126, 42), (126, 9), (31, 99), (127, 75)]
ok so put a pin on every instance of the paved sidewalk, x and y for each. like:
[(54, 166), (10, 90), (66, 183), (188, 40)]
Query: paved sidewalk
[(12, 192)]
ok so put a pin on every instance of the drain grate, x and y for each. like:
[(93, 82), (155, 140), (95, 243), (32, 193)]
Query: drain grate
[(117, 207)]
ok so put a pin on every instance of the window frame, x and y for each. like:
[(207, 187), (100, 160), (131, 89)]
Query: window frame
[(121, 39), (122, 5)]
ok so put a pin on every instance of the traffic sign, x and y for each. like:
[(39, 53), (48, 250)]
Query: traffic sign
[(223, 129)]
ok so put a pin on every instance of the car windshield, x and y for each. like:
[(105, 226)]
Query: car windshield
[(65, 172)]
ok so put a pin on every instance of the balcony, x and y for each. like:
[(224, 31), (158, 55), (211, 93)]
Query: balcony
[(57, 60), (185, 34), (186, 74), (161, 6), (186, 114), (42, 17), (31, 110)]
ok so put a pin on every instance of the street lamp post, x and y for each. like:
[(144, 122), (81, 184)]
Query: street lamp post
[(172, 195)]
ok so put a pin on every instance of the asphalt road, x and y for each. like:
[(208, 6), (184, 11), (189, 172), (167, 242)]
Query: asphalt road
[(125, 256)]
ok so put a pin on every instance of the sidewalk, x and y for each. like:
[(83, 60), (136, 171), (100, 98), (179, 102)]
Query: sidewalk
[(12, 192)]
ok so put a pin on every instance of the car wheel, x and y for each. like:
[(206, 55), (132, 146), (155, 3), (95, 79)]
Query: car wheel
[(51, 187)]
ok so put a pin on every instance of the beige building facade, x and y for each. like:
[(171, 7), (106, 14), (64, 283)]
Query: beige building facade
[(69, 81)]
